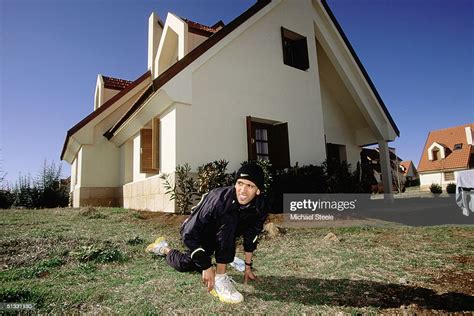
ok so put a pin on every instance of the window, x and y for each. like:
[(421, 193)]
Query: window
[(261, 142), (458, 146), (268, 141), (149, 148), (449, 176), (295, 49), (336, 153), (435, 154)]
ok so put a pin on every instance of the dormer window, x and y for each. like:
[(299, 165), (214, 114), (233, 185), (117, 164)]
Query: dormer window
[(436, 152), (457, 146)]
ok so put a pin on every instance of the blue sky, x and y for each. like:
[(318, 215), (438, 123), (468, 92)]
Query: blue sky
[(418, 53)]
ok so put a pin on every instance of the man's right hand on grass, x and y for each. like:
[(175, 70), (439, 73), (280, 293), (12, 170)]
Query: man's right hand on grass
[(208, 277)]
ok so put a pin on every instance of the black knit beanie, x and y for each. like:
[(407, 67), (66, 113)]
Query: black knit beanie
[(251, 172)]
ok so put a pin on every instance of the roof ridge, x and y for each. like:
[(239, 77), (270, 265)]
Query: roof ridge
[(452, 127), (190, 57)]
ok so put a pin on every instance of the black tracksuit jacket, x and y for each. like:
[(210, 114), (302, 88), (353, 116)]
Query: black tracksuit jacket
[(217, 221)]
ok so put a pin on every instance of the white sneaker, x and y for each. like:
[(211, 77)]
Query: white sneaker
[(158, 246), (225, 290)]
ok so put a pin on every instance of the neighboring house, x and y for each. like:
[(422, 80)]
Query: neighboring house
[(409, 170), (446, 151), (281, 82), (371, 158)]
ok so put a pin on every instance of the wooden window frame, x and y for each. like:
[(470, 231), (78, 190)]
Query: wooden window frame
[(448, 176), (277, 139), (295, 49)]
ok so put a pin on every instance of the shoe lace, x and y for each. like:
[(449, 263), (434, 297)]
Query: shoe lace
[(227, 285)]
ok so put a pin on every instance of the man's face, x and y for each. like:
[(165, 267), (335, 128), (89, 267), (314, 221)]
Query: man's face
[(245, 190)]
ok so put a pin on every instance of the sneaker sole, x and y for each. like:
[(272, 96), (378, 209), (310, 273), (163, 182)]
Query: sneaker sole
[(223, 299), (151, 246)]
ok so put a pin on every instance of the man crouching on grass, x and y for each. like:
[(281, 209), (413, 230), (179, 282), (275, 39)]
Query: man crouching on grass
[(212, 228)]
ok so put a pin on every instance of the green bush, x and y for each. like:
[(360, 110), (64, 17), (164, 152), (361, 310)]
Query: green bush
[(213, 175), (6, 199), (451, 188), (412, 183), (436, 188), (184, 190), (45, 191)]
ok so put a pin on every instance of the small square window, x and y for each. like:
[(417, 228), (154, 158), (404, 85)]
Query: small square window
[(458, 146), (449, 176), (295, 49)]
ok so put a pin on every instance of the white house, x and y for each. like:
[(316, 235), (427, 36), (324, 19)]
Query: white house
[(446, 151), (280, 82)]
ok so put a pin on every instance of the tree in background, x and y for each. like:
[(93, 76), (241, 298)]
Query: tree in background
[(46, 191)]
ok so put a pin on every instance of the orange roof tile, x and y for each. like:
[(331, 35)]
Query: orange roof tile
[(448, 137), (116, 83), (406, 165), (195, 27)]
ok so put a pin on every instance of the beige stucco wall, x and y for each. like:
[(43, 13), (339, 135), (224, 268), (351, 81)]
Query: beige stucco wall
[(73, 175), (137, 175), (101, 163), (194, 40), (126, 162), (337, 126), (173, 44), (262, 86), (168, 132), (427, 179)]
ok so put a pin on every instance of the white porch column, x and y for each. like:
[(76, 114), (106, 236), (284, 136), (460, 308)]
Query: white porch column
[(386, 171)]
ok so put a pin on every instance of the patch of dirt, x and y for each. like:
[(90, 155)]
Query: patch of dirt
[(91, 212), (331, 237), (464, 259), (271, 230), (455, 281)]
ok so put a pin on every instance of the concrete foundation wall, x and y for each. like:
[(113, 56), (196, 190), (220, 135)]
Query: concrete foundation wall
[(96, 196), (148, 194)]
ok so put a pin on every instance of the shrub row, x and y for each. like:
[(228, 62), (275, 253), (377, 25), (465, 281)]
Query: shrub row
[(45, 191), (325, 178), (437, 189)]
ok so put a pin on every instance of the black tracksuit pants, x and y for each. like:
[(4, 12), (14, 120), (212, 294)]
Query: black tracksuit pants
[(182, 262)]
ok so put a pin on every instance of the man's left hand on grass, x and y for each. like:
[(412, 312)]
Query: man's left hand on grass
[(249, 275)]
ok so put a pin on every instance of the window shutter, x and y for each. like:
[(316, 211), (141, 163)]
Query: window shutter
[(146, 151), (155, 141), (252, 152), (279, 148)]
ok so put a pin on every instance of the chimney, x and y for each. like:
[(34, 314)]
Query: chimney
[(468, 135), (99, 92), (155, 30)]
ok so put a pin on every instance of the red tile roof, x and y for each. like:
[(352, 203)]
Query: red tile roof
[(201, 29), (447, 137), (406, 165), (116, 83)]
